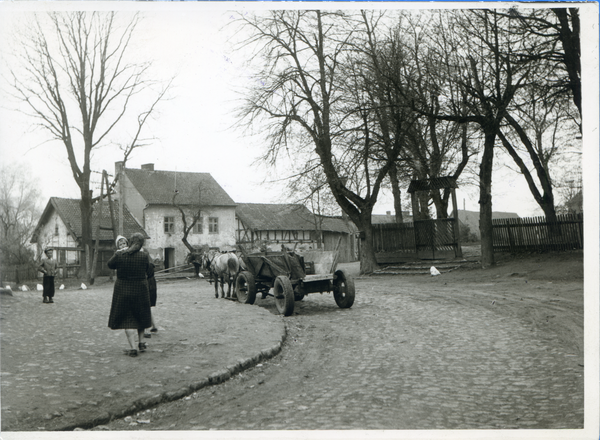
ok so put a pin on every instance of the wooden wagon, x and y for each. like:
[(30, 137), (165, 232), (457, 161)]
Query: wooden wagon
[(291, 279)]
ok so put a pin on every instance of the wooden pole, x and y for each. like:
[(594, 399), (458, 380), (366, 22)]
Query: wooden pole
[(110, 206), (121, 201), (456, 225), (415, 209), (99, 220)]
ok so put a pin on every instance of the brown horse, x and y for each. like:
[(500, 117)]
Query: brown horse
[(223, 267)]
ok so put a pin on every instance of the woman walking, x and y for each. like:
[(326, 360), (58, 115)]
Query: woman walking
[(130, 308)]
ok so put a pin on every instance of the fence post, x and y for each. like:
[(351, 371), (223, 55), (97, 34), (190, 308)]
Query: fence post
[(511, 240)]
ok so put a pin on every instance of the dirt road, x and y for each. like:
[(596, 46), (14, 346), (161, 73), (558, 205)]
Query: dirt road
[(500, 348)]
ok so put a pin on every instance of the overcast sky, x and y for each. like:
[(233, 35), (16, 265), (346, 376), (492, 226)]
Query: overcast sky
[(195, 128)]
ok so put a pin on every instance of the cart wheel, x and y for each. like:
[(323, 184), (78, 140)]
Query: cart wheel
[(284, 295), (343, 290), (245, 288)]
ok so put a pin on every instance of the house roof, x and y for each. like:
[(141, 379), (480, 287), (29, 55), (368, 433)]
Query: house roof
[(70, 213), (378, 219), (159, 187), (286, 217), (337, 224)]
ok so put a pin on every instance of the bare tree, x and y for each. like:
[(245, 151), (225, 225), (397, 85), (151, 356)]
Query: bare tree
[(544, 117), (19, 211), (432, 147), (309, 188), (299, 97), (534, 136), (75, 79), (557, 36), (480, 69), (192, 216), (194, 209)]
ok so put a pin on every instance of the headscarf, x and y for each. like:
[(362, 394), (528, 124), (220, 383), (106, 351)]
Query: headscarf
[(135, 243), (120, 237)]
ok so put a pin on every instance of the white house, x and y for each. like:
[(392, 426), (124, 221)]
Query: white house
[(59, 227), (154, 198)]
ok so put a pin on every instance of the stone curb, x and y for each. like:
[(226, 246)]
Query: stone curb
[(170, 396)]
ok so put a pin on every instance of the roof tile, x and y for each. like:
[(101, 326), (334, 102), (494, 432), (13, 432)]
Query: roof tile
[(70, 212), (286, 217), (159, 187)]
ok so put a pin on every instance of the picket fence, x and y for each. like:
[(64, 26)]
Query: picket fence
[(509, 235), (538, 234)]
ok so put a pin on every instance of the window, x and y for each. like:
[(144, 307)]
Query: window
[(169, 225), (56, 229), (213, 225), (198, 227)]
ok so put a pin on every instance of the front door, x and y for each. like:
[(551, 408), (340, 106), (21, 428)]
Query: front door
[(169, 257)]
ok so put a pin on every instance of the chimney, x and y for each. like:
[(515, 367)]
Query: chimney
[(118, 168), (148, 167)]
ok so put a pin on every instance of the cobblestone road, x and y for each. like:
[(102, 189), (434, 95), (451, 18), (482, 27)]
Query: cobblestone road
[(63, 367), (403, 357)]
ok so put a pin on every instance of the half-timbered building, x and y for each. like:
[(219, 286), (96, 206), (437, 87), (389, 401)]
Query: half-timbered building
[(294, 226)]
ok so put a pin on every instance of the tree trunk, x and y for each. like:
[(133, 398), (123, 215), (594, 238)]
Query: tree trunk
[(485, 201), (423, 201), (86, 232), (393, 174), (368, 262), (549, 209), (97, 244), (187, 243), (546, 199), (441, 204)]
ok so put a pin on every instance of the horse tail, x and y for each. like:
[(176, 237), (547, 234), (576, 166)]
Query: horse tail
[(233, 264)]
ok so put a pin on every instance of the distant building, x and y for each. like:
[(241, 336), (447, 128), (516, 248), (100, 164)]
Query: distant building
[(60, 227), (150, 196), (388, 217), (293, 225), (575, 204)]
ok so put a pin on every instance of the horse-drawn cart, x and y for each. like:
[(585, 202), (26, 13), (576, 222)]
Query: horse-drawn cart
[(290, 278)]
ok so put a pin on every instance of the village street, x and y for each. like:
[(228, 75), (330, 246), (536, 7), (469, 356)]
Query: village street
[(470, 349)]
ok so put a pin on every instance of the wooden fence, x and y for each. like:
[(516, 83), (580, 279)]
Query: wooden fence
[(435, 234), (394, 237), (537, 234)]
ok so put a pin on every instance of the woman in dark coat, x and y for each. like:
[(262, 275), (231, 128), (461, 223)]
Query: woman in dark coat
[(130, 309)]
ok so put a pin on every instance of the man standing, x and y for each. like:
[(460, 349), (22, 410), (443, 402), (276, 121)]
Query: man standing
[(48, 267)]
